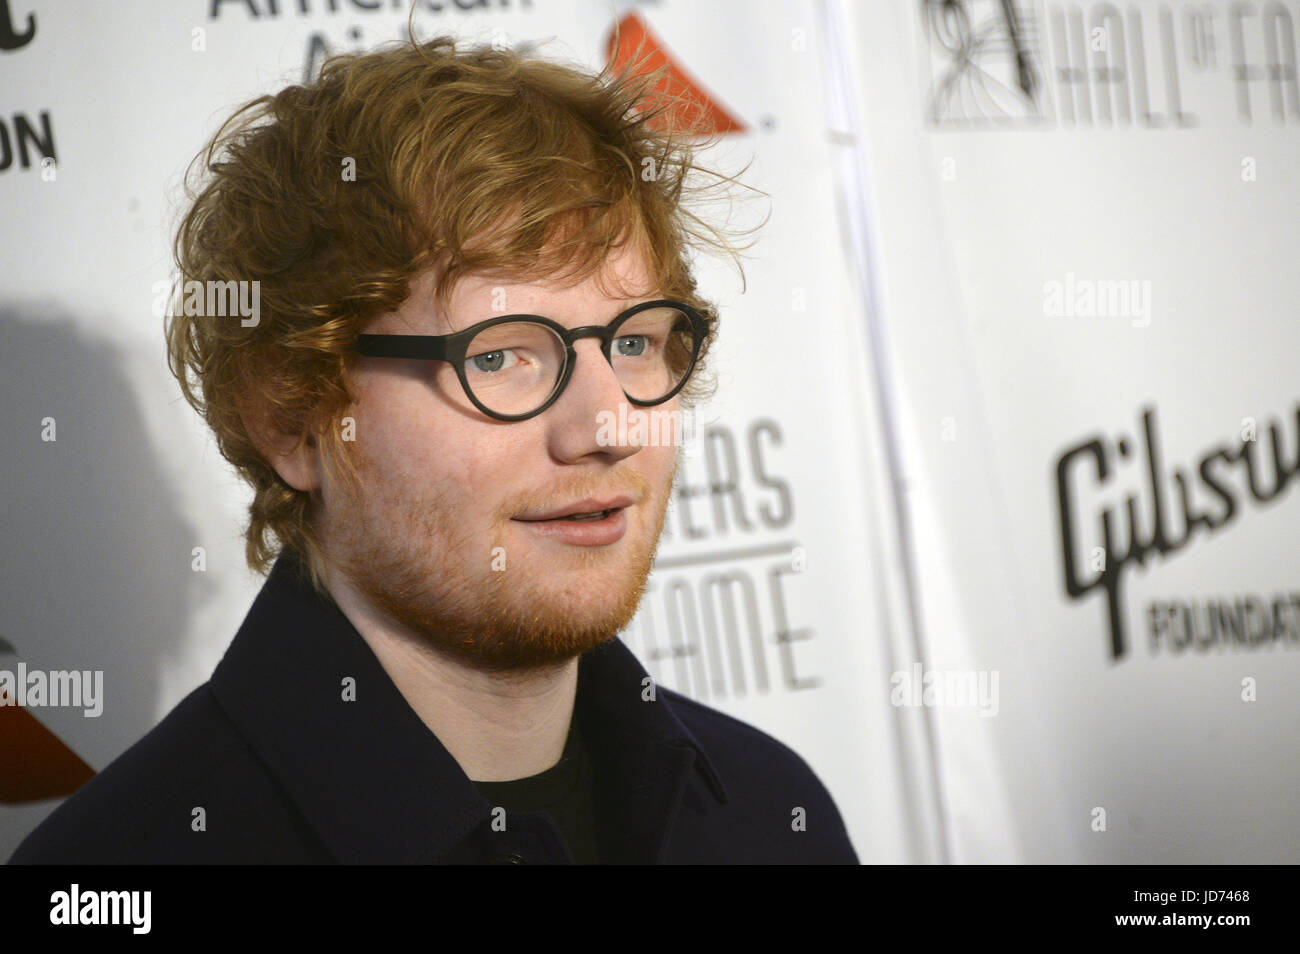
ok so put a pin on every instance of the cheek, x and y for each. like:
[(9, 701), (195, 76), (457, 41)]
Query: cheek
[(490, 463), (413, 442), (396, 430), (655, 464), (665, 461)]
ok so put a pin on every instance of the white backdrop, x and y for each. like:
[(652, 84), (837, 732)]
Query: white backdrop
[(992, 205), (875, 495)]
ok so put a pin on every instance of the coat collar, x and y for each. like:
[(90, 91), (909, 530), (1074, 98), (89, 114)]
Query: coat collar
[(371, 779)]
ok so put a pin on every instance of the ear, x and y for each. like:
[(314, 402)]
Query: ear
[(295, 457)]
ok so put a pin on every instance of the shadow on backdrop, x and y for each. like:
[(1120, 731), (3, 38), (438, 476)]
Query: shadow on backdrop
[(97, 566)]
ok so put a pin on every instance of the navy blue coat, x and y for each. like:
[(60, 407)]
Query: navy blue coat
[(286, 771)]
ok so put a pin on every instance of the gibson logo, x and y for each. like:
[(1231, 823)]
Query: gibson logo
[(1096, 553)]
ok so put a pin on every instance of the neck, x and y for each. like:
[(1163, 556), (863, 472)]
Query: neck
[(498, 726)]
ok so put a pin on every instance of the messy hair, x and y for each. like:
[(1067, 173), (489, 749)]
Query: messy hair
[(478, 160)]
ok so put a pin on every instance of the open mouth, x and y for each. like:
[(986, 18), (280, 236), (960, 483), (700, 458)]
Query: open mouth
[(583, 517), (594, 516), (585, 528)]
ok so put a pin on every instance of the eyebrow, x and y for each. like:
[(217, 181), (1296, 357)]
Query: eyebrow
[(626, 304)]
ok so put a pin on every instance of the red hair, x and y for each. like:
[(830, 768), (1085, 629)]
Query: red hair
[(477, 160)]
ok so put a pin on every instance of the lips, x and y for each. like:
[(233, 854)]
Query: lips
[(592, 509)]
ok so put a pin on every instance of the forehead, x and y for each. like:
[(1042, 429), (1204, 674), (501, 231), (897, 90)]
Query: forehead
[(623, 280)]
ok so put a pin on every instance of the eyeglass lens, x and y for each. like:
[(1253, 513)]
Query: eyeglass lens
[(514, 367)]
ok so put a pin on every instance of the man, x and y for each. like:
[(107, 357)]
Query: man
[(465, 262)]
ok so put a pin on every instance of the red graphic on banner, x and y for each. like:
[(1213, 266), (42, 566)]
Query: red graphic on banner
[(703, 114), (34, 763)]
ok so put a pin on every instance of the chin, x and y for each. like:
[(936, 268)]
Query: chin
[(586, 599), (598, 602)]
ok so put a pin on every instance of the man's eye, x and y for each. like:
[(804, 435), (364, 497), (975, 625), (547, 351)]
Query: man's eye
[(631, 346), (490, 361)]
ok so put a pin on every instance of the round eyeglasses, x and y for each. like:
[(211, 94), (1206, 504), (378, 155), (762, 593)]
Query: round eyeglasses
[(516, 366)]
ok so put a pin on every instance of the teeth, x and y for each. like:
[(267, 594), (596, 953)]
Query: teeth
[(598, 515)]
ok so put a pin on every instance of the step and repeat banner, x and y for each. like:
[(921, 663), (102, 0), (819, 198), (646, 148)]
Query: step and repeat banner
[(772, 596), (990, 518), (1087, 230)]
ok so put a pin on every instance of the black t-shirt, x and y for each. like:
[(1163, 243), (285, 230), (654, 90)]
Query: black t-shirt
[(565, 791)]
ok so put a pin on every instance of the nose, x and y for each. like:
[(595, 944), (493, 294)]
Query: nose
[(585, 420)]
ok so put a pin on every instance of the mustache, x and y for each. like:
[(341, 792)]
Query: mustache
[(631, 484), (634, 486)]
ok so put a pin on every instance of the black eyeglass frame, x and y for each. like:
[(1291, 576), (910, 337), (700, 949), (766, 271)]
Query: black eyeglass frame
[(454, 349)]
